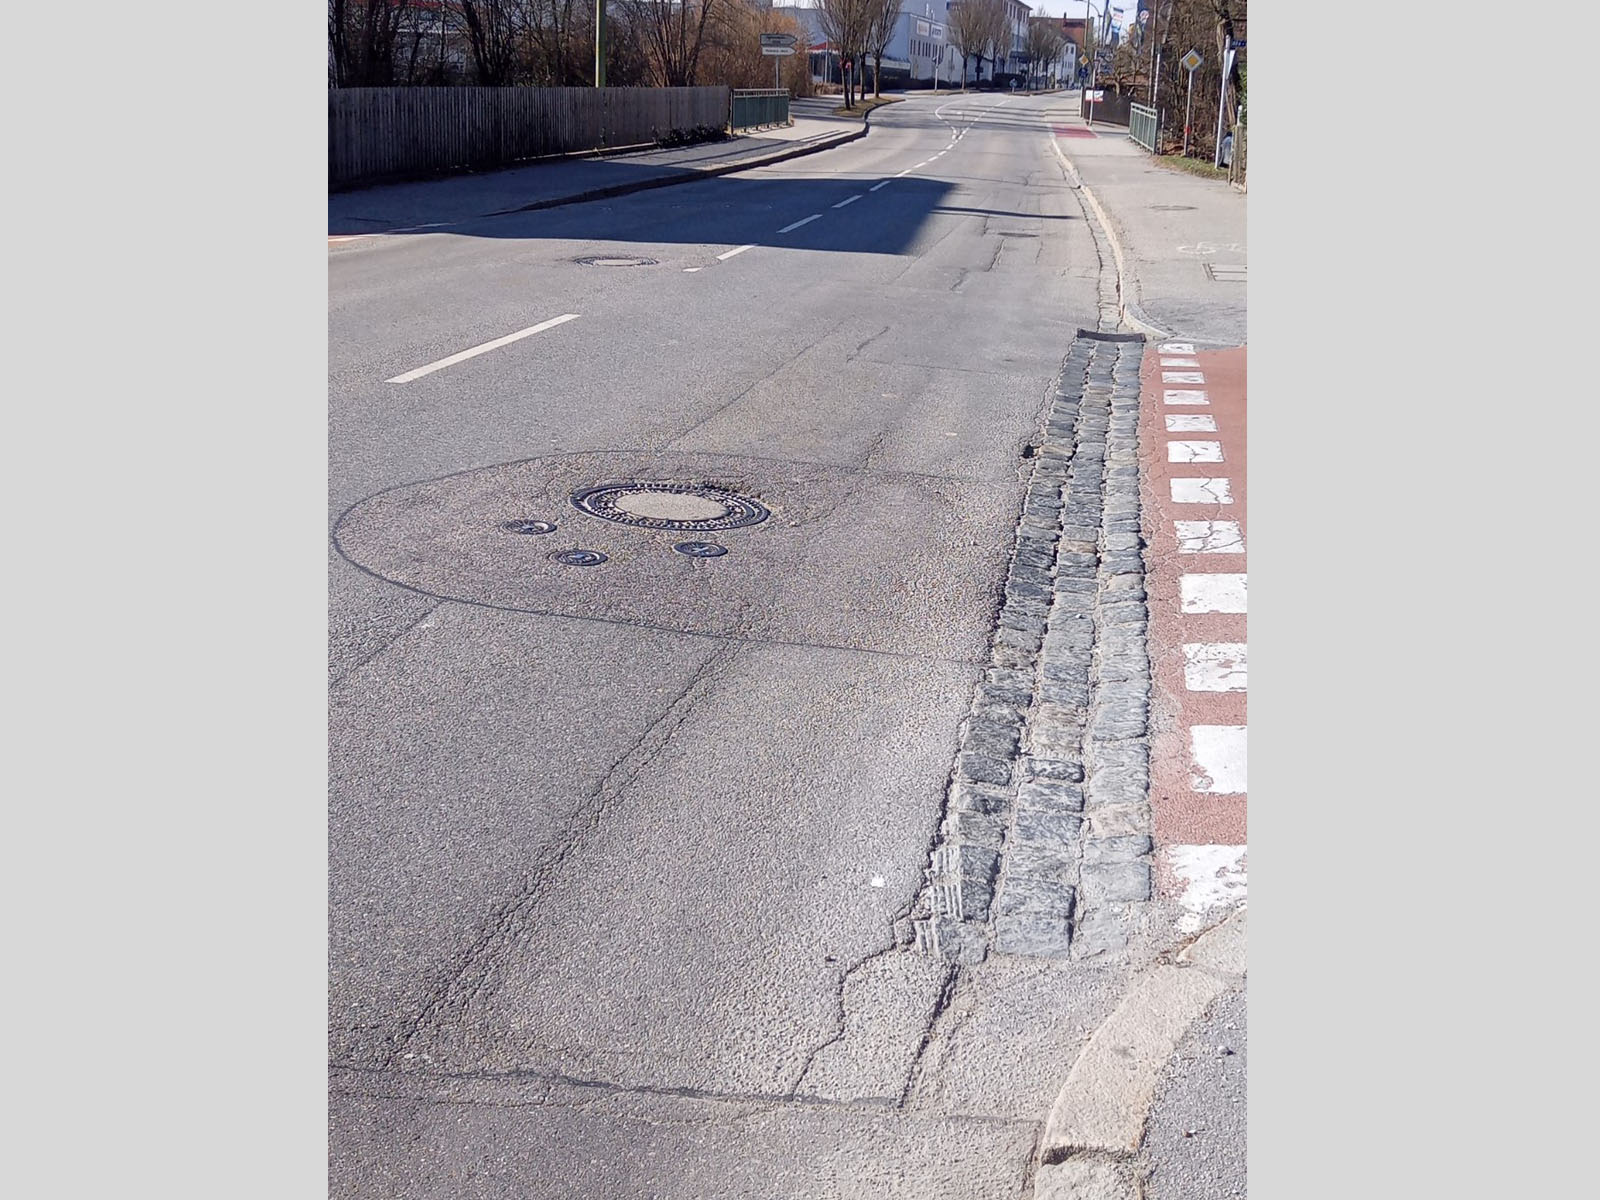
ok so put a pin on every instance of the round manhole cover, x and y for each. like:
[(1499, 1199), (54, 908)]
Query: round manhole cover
[(527, 526), (614, 260), (578, 558), (701, 549), (687, 506)]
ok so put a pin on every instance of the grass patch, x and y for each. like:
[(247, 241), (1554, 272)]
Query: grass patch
[(865, 106), (1190, 166)]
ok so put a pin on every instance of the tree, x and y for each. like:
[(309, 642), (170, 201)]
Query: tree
[(495, 34), (362, 36), (1044, 44), (846, 24), (885, 15), (978, 28), (673, 33)]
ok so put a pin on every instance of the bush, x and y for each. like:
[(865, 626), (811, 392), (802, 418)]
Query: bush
[(691, 137)]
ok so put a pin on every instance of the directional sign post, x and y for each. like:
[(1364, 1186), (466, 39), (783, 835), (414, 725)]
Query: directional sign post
[(776, 46), (1188, 62)]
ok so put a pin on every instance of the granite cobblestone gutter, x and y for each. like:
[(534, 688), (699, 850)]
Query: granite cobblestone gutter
[(1044, 848)]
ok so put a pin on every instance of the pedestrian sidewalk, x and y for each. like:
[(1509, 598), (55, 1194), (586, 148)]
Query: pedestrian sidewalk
[(1179, 239), (403, 207)]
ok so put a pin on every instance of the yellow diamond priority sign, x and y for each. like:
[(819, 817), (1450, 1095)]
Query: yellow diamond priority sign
[(1190, 61)]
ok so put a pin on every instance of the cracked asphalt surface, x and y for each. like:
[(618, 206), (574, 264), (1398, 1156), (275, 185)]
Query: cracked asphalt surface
[(616, 854)]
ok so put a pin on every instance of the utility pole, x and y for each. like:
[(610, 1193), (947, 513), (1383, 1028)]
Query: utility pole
[(599, 43)]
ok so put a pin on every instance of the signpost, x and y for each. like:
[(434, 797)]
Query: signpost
[(1188, 62), (1222, 99), (776, 46)]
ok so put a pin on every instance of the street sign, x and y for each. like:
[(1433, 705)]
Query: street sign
[(785, 40), (1190, 61), (777, 51), (1094, 94), (1083, 60)]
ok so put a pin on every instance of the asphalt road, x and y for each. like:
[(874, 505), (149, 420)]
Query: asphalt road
[(616, 852)]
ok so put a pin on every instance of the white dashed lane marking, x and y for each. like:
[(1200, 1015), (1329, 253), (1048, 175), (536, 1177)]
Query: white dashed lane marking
[(1182, 377), (430, 368), (849, 200), (726, 255), (802, 221)]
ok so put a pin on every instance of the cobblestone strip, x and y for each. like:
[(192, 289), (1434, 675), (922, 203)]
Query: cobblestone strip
[(1027, 851)]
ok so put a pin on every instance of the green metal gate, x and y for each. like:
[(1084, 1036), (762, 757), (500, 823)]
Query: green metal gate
[(753, 107)]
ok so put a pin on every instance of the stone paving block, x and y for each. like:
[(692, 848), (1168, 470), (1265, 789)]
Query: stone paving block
[(1115, 881), (1033, 934)]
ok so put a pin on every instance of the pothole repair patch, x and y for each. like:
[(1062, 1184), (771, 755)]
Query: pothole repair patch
[(614, 260)]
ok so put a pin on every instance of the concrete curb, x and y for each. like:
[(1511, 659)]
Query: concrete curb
[(1099, 1116), (1127, 281), (691, 174)]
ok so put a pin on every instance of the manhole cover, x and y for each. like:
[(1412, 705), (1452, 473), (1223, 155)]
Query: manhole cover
[(1172, 208), (669, 506), (578, 558), (527, 526), (614, 260), (701, 549)]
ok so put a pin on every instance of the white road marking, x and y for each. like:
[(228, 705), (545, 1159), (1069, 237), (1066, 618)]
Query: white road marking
[(1201, 491), (1182, 377), (876, 186), (1216, 667), (1191, 423), (1184, 396), (906, 172), (692, 270), (1213, 593), (1221, 759), (1211, 878), (805, 221), (483, 349), (1177, 348), (853, 199), (922, 164), (1209, 537), (1194, 452), (1180, 362), (726, 255)]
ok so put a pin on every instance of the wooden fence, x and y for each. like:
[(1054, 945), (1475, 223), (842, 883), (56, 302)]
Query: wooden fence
[(395, 133)]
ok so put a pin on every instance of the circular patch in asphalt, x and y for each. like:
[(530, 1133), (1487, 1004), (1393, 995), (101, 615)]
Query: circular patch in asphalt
[(669, 505), (701, 549), (578, 558), (527, 526), (614, 260)]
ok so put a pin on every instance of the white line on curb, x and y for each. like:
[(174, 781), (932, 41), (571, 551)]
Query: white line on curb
[(876, 186), (803, 221), (736, 250), (483, 349)]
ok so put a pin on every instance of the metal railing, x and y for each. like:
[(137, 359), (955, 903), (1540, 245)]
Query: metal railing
[(1144, 127), (759, 106)]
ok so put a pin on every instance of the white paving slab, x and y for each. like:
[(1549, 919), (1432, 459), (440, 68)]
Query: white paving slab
[(1194, 452), (1209, 878), (1220, 593), (1184, 396), (1215, 666), (1209, 537), (1221, 758), (1191, 423), (1182, 377), (1201, 491)]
